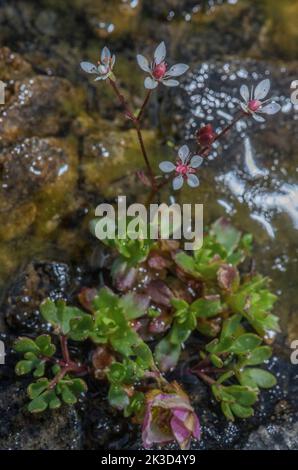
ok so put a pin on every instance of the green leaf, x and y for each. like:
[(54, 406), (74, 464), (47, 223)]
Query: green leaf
[(67, 395), (187, 263), (216, 361), (118, 397), (258, 356), (44, 343), (117, 373), (132, 306), (226, 409), (230, 326), (257, 378), (49, 311), (167, 354), (243, 395), (242, 411), (227, 235), (81, 328), (39, 369), (24, 367), (205, 308), (245, 343), (37, 405), (136, 404), (217, 346), (23, 345), (35, 389)]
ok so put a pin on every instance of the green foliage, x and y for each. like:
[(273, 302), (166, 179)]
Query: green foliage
[(231, 309), (131, 251), (70, 321), (235, 400), (254, 301), (44, 394), (35, 354), (222, 246), (185, 319)]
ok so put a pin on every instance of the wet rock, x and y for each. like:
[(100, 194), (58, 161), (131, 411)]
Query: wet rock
[(27, 167), (13, 66), (110, 156), (38, 281), (275, 437), (20, 430), (41, 106), (114, 17)]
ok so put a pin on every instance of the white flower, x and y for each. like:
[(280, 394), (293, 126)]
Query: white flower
[(253, 102), (158, 69), (185, 168), (104, 69)]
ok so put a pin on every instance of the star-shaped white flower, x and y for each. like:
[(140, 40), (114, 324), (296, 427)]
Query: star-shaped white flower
[(158, 69), (104, 69), (253, 101), (185, 168)]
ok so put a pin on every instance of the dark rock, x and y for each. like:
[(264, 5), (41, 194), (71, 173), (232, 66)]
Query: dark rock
[(20, 430), (39, 280)]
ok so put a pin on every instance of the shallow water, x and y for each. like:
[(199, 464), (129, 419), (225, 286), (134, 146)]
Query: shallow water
[(251, 176)]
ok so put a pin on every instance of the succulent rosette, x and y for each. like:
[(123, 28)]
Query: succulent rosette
[(168, 417)]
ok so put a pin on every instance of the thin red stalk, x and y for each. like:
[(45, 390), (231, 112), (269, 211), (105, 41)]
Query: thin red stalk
[(136, 123), (64, 349), (139, 116), (205, 378)]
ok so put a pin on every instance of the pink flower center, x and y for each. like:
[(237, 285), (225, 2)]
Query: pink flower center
[(159, 71), (254, 105), (182, 169)]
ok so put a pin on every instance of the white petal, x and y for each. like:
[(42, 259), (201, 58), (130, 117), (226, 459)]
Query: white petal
[(150, 84), (101, 77), (170, 82), (167, 167), (271, 108), (88, 67), (244, 108), (105, 55), (258, 118), (193, 181), (177, 182), (244, 92), (102, 69), (177, 70), (196, 161), (143, 63), (160, 53), (262, 89), (183, 153)]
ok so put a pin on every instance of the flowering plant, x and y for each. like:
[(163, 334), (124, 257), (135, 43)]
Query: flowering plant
[(157, 298)]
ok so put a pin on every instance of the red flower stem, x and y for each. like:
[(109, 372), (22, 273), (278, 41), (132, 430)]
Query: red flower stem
[(71, 367), (205, 377), (136, 123), (64, 349), (139, 117)]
